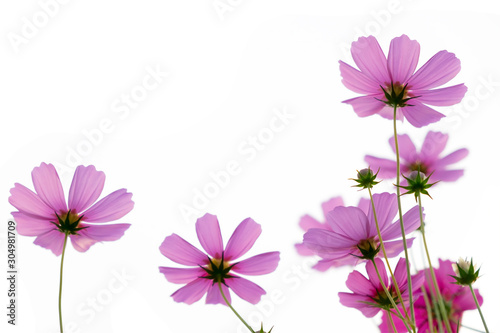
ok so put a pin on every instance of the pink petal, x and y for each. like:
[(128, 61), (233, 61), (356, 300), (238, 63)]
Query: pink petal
[(326, 241), (27, 202), (246, 289), (48, 187), (110, 208), (411, 220), (387, 112), (52, 240), (215, 297), (370, 59), (364, 205), (357, 81), (446, 175), (303, 250), (386, 327), (208, 231), (441, 68), (178, 250), (359, 302), (386, 208), (400, 274), (434, 144), (465, 301), (264, 263), (105, 232), (86, 188), (420, 115), (372, 273), (307, 222), (324, 264), (350, 222), (454, 157), (359, 284), (29, 225), (394, 248), (441, 97), (365, 106), (242, 239), (192, 292), (386, 168), (331, 204), (407, 149), (181, 275), (403, 58), (82, 242)]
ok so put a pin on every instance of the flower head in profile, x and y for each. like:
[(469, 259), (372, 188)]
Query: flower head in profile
[(368, 295), (219, 266), (457, 300), (47, 216), (308, 222), (392, 82), (466, 273), (428, 160), (353, 236)]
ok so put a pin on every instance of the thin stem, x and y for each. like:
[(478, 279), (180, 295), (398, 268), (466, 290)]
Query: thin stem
[(61, 280), (403, 234), (478, 307), (431, 269), (234, 311), (390, 296), (391, 321), (394, 283), (428, 308)]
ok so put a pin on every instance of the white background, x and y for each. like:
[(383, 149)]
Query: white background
[(228, 73)]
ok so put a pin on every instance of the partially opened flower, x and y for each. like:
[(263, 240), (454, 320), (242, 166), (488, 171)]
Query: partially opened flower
[(353, 234), (368, 295), (46, 215), (308, 222), (220, 266), (392, 82), (428, 160), (457, 299)]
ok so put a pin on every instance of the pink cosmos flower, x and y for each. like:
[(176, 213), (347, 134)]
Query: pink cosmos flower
[(353, 235), (392, 81), (428, 160), (46, 215), (219, 265), (308, 222), (368, 295), (457, 300)]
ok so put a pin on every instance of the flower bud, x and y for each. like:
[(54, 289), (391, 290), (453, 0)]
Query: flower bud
[(417, 184), (366, 179), (465, 271)]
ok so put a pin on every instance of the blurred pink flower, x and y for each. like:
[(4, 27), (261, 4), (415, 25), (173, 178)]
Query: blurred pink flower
[(206, 271), (457, 299), (46, 215), (428, 160), (368, 295), (308, 222), (411, 91), (353, 229)]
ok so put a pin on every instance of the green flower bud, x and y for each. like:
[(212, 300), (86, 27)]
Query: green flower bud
[(366, 179), (465, 271)]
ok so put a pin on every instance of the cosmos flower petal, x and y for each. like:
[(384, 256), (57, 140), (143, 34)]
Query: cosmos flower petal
[(178, 250), (386, 326), (264, 263), (368, 105), (82, 242), (360, 302), (104, 232), (364, 205), (30, 225), (242, 239), (110, 208), (407, 149), (192, 292), (434, 144), (357, 81), (86, 187), (386, 168), (403, 58), (465, 301), (350, 222), (446, 175), (394, 248), (454, 157), (48, 187), (246, 289), (324, 240), (307, 222), (359, 284), (400, 273), (386, 208), (372, 273), (215, 297), (303, 250), (52, 240), (27, 202), (181, 275), (411, 221), (441, 97), (331, 204), (438, 70), (370, 59), (208, 231), (420, 115)]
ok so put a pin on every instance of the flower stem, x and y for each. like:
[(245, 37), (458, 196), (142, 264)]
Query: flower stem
[(234, 311), (403, 234), (389, 296), (478, 307), (428, 308), (431, 269), (394, 283), (394, 329), (60, 281)]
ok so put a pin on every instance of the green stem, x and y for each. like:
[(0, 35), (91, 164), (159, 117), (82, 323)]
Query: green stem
[(391, 321), (431, 269), (428, 308), (389, 296), (60, 281), (403, 234), (478, 308), (234, 311)]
